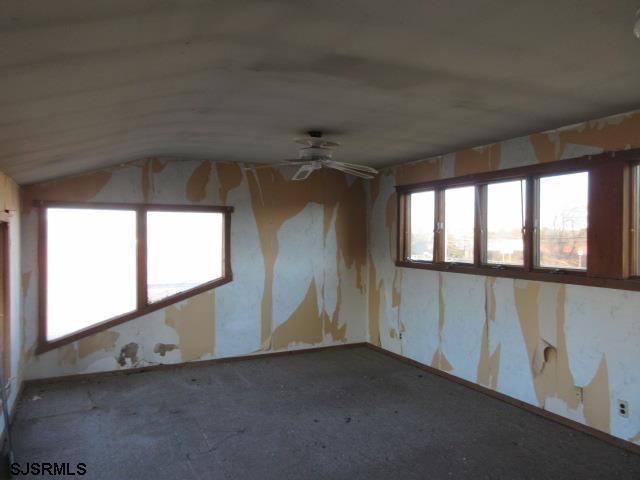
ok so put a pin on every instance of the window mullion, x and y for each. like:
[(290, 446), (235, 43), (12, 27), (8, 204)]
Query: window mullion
[(634, 222), (529, 222), (438, 252), (480, 227), (141, 222)]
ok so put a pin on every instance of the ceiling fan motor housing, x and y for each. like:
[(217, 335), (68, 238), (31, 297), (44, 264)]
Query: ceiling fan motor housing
[(315, 153)]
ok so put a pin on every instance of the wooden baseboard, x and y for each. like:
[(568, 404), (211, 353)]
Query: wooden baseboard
[(197, 363), (618, 442)]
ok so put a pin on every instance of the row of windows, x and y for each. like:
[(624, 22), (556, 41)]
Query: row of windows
[(486, 222), (101, 263), (560, 216)]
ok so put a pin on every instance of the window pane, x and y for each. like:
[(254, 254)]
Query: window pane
[(184, 250), (459, 215), (562, 227), (422, 218), (91, 267), (505, 221)]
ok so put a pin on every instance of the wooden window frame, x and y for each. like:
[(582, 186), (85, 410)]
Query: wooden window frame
[(6, 301), (610, 233), (442, 222), (634, 227), (143, 306), (535, 239), (435, 223), (482, 229)]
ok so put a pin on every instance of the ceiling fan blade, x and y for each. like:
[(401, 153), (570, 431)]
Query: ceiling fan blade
[(329, 143), (353, 166), (316, 142), (286, 163), (355, 173), (303, 173)]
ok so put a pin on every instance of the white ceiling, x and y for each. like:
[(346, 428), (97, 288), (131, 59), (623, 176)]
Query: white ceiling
[(86, 84)]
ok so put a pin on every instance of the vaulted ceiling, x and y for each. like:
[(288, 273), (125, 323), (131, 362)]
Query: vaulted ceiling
[(86, 84)]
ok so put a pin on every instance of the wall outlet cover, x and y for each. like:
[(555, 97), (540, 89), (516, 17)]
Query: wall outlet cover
[(623, 408)]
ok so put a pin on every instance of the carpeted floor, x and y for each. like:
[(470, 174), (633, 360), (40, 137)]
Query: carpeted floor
[(339, 413)]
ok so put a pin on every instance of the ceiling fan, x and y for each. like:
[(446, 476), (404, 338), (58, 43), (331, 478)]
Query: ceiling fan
[(317, 154)]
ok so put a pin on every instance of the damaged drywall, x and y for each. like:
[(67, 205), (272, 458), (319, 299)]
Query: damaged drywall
[(566, 348), (194, 321), (129, 355), (162, 348), (489, 363), (298, 256), (314, 264), (95, 343)]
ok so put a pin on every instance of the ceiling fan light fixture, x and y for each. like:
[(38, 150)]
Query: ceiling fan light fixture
[(636, 26), (317, 154), (314, 153)]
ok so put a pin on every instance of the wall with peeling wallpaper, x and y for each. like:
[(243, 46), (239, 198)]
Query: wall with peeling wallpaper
[(298, 255), (533, 341), (313, 265), (10, 213)]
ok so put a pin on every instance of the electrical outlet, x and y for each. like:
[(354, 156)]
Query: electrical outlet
[(579, 394), (623, 408)]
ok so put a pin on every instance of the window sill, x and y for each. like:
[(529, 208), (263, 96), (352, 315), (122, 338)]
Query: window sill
[(571, 277)]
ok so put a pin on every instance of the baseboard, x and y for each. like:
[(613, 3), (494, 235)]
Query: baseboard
[(618, 442), (197, 363)]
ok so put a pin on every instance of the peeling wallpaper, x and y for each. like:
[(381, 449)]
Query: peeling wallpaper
[(530, 340), (313, 265), (298, 256)]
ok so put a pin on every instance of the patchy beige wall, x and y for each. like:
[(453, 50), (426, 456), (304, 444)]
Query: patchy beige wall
[(10, 213), (298, 255), (531, 340)]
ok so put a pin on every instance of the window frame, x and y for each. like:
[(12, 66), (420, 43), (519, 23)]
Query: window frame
[(482, 221), (634, 225), (143, 306), (535, 242), (441, 221), (435, 222), (611, 188)]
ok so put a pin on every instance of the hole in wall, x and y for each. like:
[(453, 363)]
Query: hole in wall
[(548, 353)]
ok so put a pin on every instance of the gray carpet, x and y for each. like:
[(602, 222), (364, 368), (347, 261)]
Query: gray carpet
[(341, 413)]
